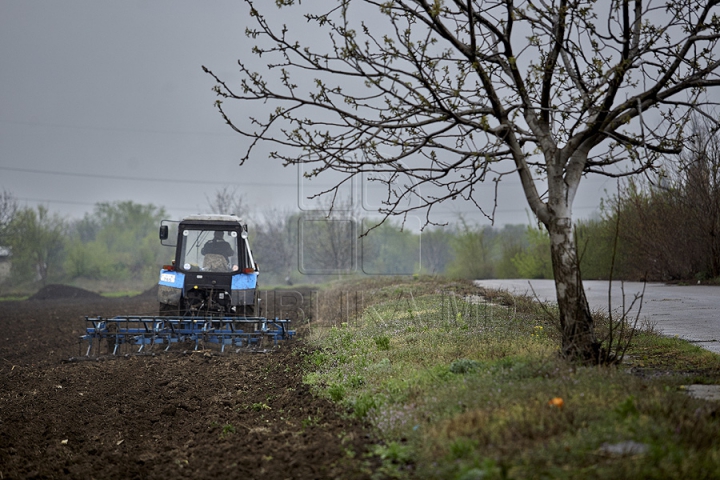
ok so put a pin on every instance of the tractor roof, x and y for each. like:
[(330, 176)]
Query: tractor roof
[(213, 218)]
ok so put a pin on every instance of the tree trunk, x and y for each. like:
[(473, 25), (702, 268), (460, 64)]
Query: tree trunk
[(576, 323)]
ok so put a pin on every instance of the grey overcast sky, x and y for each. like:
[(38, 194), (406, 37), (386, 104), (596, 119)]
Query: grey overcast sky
[(106, 101)]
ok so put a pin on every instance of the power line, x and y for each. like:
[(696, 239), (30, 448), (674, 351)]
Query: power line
[(195, 182), (141, 179), (116, 129)]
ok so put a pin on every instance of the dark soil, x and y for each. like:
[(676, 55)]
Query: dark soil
[(169, 415)]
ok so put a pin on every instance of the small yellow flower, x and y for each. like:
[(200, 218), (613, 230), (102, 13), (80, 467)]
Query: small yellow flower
[(556, 402)]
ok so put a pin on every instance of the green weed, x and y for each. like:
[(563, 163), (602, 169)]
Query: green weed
[(310, 421), (260, 406), (393, 451), (463, 365), (382, 342), (227, 429), (363, 404), (336, 392)]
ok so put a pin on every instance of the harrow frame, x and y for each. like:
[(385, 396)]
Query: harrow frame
[(148, 331)]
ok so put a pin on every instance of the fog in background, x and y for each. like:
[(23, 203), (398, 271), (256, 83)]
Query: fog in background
[(106, 101)]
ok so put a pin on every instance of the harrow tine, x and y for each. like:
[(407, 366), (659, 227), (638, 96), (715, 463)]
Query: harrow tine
[(238, 332)]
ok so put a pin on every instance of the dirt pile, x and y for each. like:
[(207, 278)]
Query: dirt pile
[(61, 292)]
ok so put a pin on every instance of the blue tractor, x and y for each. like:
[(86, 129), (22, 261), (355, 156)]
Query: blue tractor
[(208, 295), (213, 271)]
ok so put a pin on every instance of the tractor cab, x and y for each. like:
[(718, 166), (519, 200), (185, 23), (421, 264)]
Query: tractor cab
[(213, 271)]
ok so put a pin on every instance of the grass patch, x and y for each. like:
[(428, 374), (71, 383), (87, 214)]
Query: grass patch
[(14, 298), (128, 293), (458, 386), (655, 353)]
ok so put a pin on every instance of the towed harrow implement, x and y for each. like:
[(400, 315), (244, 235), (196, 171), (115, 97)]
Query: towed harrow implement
[(148, 331)]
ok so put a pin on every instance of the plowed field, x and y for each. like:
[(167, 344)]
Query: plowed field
[(180, 414)]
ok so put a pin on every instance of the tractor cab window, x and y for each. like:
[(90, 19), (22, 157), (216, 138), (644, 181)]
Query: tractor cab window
[(209, 251)]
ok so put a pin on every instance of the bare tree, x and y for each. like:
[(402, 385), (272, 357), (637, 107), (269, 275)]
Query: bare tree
[(698, 175), (8, 210), (433, 98), (228, 202), (436, 250), (670, 229), (275, 244), (328, 245), (328, 239)]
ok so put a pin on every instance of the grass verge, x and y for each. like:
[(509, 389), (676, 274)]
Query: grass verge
[(459, 386)]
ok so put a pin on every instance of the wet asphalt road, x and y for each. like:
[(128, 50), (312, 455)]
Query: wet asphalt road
[(690, 312)]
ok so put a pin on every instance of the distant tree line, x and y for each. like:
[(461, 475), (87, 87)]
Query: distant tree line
[(117, 242), (663, 228)]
